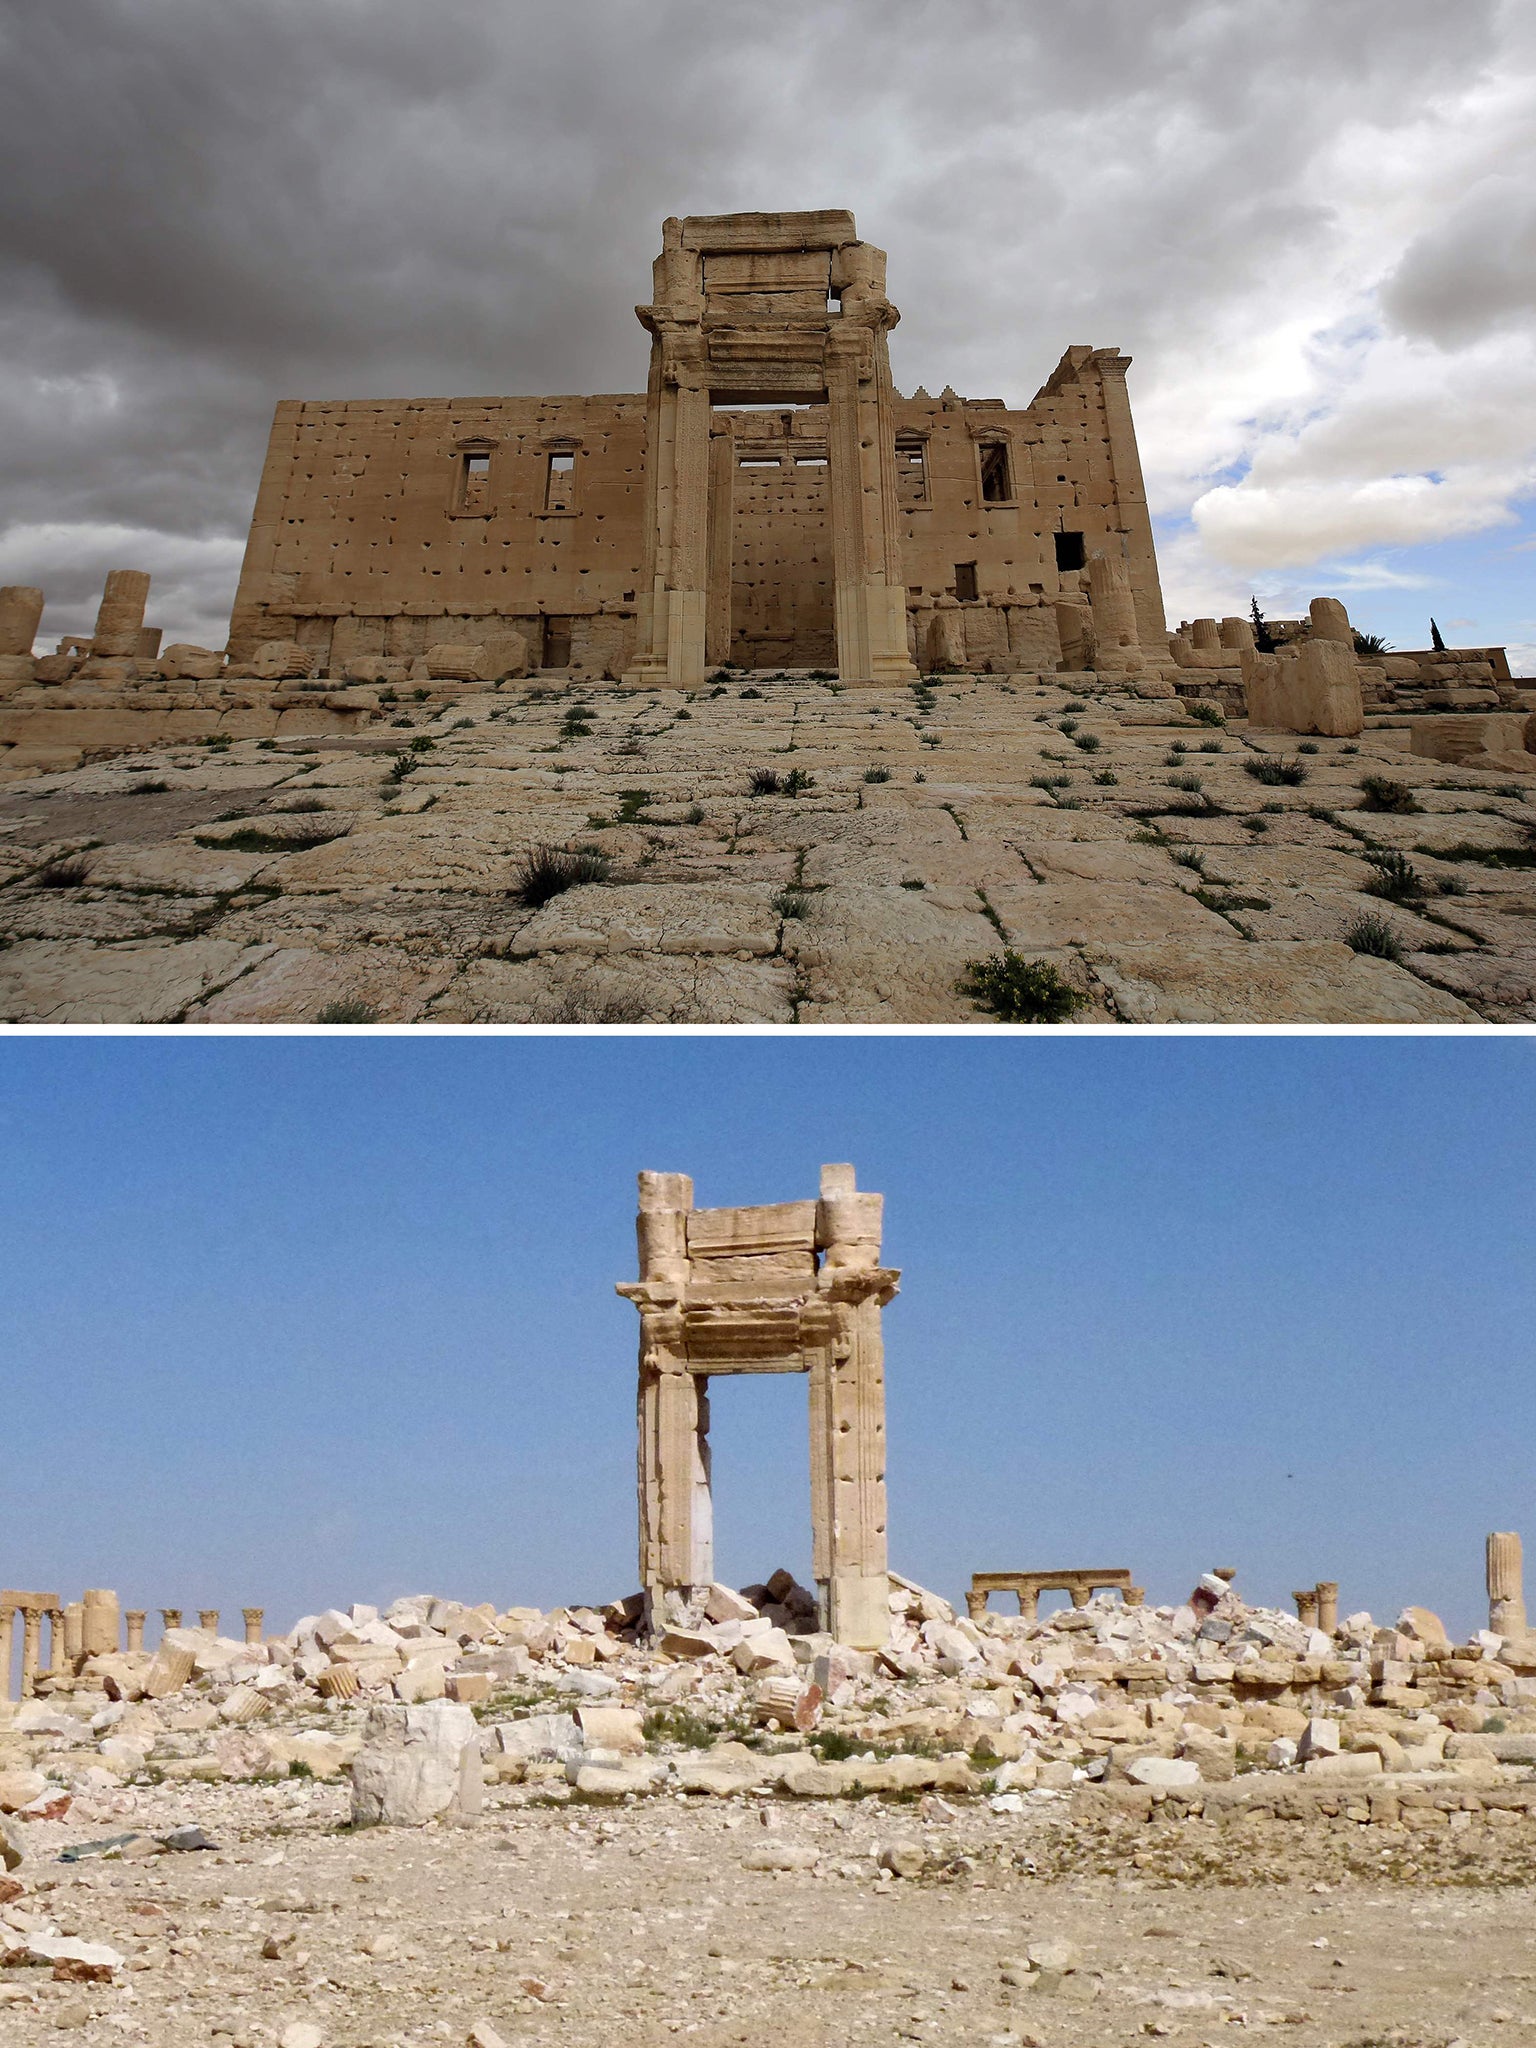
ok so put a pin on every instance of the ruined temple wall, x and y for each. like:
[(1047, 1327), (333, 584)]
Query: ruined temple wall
[(369, 513), (1073, 470), (376, 511)]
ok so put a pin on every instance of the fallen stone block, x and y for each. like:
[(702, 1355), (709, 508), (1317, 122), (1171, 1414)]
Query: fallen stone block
[(416, 1763)]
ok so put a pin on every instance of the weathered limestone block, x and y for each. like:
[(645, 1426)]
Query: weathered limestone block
[(1313, 687), (21, 613), (946, 637), (1033, 642), (986, 638), (1074, 634), (169, 1671), (376, 668), (457, 662), (184, 661), (416, 1763), (1330, 621), (276, 661), (120, 615), (1236, 634), (1461, 738)]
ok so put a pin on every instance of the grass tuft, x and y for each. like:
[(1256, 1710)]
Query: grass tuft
[(548, 871)]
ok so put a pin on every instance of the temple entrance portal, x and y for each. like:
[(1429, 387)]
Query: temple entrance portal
[(795, 1288)]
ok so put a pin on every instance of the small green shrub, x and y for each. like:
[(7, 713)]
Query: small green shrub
[(764, 782), (1396, 878), (1089, 742), (1205, 713), (1106, 777), (877, 774), (1308, 747), (792, 902), (1380, 793), (1190, 783), (1275, 769), (751, 693), (1373, 935), (401, 766), (149, 788), (1020, 991), (694, 815), (548, 871)]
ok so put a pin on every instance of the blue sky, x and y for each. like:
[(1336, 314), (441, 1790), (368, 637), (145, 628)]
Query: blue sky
[(303, 1320)]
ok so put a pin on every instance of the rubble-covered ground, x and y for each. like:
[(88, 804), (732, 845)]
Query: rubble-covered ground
[(1169, 869), (1111, 1824)]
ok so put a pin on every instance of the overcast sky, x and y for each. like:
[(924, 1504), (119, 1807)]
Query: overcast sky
[(1312, 224)]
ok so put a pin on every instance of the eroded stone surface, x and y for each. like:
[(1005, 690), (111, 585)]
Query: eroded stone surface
[(848, 900)]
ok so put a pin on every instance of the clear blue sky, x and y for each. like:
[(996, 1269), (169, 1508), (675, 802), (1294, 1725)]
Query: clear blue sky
[(306, 1320)]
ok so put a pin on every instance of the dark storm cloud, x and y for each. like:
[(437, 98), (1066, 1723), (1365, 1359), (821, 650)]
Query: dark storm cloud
[(213, 206)]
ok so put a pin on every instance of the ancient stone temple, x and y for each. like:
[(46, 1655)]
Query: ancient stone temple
[(770, 499), (795, 1287)]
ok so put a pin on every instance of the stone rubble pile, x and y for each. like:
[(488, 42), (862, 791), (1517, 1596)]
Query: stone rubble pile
[(1211, 1705)]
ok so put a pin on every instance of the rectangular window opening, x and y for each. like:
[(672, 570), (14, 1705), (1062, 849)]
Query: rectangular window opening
[(965, 581), (996, 481), (560, 484), (1070, 552), (912, 471), (759, 462), (810, 462)]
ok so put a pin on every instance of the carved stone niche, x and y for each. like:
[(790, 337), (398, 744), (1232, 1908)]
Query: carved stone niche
[(793, 1287)]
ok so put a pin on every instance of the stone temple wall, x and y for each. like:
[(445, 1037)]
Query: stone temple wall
[(384, 527)]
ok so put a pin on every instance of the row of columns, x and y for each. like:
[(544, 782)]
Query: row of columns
[(85, 1628)]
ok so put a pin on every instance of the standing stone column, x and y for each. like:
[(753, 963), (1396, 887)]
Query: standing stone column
[(170, 1617), (1328, 1606), (74, 1631), (1116, 648), (120, 616), (31, 1644), (722, 512), (676, 1534), (852, 1413), (21, 613), (208, 1618), (58, 1649), (1506, 1584), (1306, 1607), (7, 1621), (100, 1628), (253, 1618), (134, 1620)]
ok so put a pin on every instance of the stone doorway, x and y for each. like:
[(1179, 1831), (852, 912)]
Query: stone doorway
[(770, 577)]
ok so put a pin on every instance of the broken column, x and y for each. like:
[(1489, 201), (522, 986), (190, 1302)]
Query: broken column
[(1328, 1606), (253, 1618), (21, 611), (99, 1631), (1306, 1606), (74, 1631), (1330, 621), (120, 616), (134, 1620), (1116, 649), (1506, 1584)]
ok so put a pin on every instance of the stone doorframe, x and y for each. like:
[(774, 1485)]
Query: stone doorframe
[(793, 1288), (767, 308)]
